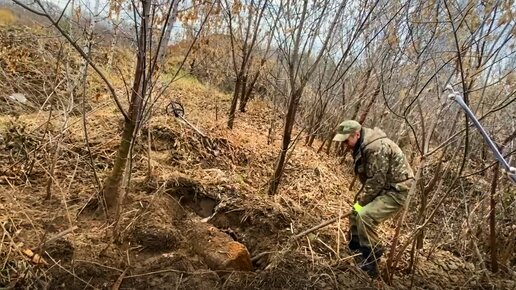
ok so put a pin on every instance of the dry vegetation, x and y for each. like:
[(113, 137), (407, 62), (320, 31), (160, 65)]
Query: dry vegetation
[(51, 238)]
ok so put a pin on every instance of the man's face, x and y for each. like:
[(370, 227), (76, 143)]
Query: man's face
[(352, 140)]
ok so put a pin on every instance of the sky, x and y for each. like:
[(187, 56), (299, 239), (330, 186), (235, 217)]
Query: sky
[(104, 10), (103, 4)]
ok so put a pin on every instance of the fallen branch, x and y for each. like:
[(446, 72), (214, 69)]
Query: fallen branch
[(118, 281), (61, 234), (304, 233), (69, 272), (322, 225), (260, 255)]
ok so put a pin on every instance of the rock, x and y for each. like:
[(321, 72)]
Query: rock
[(17, 97), (219, 250)]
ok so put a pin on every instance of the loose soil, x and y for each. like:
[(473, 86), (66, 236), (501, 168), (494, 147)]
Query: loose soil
[(200, 189)]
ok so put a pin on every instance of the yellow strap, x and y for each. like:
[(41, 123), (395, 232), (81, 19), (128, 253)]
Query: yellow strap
[(357, 207)]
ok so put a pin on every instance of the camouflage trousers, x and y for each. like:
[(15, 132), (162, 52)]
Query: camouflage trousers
[(364, 225)]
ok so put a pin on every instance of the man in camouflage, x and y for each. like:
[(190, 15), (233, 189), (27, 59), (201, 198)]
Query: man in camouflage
[(386, 177)]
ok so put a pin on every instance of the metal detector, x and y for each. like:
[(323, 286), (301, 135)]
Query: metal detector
[(511, 171)]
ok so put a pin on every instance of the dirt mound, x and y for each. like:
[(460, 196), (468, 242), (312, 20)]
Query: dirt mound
[(192, 149), (171, 270), (155, 237), (154, 225), (61, 250), (200, 212), (29, 64)]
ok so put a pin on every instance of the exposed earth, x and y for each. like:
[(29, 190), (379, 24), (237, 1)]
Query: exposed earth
[(200, 220)]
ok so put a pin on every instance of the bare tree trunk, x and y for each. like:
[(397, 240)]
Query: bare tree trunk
[(339, 147), (270, 134), (248, 92), (483, 154), (111, 186), (369, 105), (311, 140), (87, 46), (113, 181), (422, 208), (287, 135), (322, 145), (425, 190), (310, 130), (111, 52), (243, 91), (249, 41), (116, 23), (329, 140), (168, 31), (344, 151), (234, 101)]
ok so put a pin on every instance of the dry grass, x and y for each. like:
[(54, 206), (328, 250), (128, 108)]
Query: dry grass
[(6, 17), (230, 166)]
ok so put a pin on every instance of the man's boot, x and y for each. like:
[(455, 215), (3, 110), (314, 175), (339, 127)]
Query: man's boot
[(371, 259), (354, 243), (354, 248)]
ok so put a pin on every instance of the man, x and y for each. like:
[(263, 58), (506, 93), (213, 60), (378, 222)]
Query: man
[(386, 177)]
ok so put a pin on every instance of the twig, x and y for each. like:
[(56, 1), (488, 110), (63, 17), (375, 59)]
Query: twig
[(302, 234), (63, 233), (327, 246), (257, 257), (68, 271), (311, 251), (171, 270), (349, 257), (338, 229), (11, 240), (118, 281), (99, 264), (322, 225), (180, 279)]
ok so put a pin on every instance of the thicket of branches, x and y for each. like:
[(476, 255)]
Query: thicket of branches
[(387, 64), (384, 63)]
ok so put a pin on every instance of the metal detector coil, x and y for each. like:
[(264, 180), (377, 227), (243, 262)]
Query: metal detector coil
[(176, 109)]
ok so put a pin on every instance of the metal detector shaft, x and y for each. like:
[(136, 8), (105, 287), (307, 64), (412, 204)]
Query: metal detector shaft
[(191, 126), (458, 98)]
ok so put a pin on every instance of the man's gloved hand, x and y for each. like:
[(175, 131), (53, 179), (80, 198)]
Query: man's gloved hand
[(357, 207)]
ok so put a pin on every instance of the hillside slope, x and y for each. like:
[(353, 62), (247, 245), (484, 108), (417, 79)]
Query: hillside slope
[(197, 187)]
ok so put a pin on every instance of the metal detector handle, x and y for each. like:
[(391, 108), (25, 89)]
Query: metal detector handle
[(510, 170)]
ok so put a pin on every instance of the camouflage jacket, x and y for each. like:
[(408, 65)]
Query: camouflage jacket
[(381, 167)]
